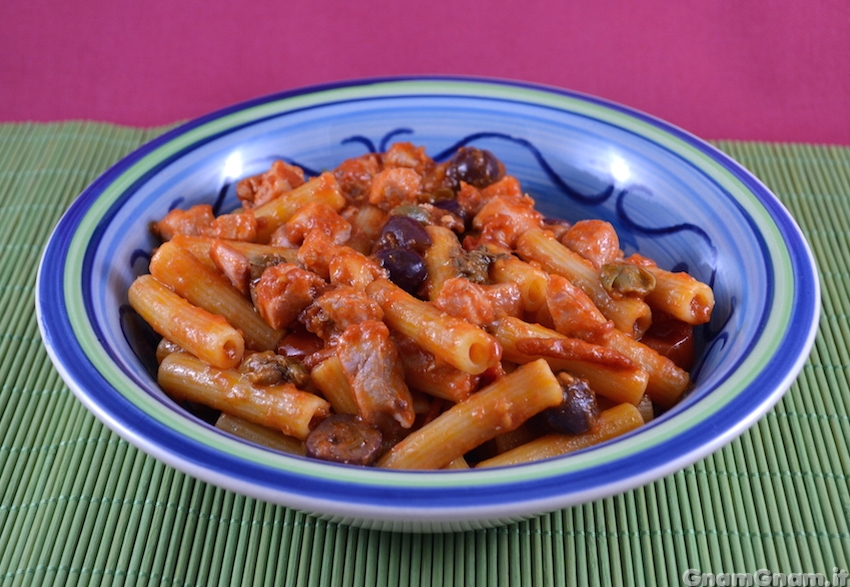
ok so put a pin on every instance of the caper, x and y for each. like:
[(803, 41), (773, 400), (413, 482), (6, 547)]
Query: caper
[(627, 279)]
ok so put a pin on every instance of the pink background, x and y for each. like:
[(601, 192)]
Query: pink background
[(723, 69)]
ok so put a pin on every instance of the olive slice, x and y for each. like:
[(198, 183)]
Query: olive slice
[(344, 438)]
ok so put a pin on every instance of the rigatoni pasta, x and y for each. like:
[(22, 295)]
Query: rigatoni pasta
[(500, 407), (282, 406), (681, 296), (613, 422), (630, 315), (208, 336), (402, 312), (609, 374), (202, 286), (460, 344), (276, 212)]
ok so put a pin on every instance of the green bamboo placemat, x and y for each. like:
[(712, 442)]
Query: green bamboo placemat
[(79, 506)]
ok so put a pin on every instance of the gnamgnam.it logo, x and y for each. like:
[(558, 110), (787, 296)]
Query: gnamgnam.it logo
[(765, 578)]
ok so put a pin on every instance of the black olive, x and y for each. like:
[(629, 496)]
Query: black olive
[(452, 206), (344, 438), (477, 167), (578, 411), (403, 232), (406, 268)]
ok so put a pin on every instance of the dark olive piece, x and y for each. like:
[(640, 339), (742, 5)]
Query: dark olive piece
[(403, 232), (477, 167), (406, 268), (344, 438), (452, 206), (578, 411)]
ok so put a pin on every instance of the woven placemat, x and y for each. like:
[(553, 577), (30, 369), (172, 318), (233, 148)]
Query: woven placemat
[(79, 506)]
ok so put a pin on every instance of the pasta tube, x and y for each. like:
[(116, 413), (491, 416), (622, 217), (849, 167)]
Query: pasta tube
[(500, 407), (282, 407), (612, 422), (667, 382), (630, 315), (571, 308), (531, 280), (329, 376), (200, 246), (322, 189), (458, 463), (616, 381), (260, 434), (681, 296), (440, 259), (207, 336), (457, 342), (208, 289)]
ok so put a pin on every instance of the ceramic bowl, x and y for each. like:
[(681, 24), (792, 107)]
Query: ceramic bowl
[(670, 195)]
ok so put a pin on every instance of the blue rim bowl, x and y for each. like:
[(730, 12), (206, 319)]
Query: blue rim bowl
[(670, 195)]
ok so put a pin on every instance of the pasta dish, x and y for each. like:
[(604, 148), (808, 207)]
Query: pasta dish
[(405, 313)]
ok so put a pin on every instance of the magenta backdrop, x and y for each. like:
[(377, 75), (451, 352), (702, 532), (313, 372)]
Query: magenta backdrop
[(735, 69)]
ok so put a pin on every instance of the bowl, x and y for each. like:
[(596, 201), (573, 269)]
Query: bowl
[(670, 196)]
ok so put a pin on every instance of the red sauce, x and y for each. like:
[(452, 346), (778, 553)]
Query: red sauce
[(300, 343)]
